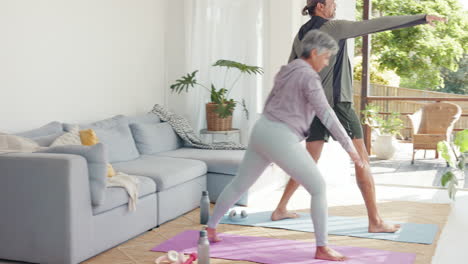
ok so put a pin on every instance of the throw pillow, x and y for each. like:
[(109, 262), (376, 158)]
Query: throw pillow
[(69, 138), (46, 141), (88, 137)]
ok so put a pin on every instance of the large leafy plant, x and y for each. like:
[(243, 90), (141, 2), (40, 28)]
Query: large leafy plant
[(384, 126), (455, 153), (219, 96)]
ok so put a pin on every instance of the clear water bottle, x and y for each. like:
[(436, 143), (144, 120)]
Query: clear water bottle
[(204, 208), (203, 248)]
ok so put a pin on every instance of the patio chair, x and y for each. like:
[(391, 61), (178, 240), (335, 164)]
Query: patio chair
[(431, 124)]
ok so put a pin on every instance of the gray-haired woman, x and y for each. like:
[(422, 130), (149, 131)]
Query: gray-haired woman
[(296, 98)]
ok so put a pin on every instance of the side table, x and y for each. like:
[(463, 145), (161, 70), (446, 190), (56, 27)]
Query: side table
[(210, 136)]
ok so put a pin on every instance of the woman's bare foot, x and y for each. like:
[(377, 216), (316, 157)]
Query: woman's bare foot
[(212, 236), (282, 214), (327, 253), (383, 227)]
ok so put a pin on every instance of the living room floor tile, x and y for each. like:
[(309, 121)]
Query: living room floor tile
[(111, 256)]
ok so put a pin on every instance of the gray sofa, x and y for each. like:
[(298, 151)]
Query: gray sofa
[(48, 215)]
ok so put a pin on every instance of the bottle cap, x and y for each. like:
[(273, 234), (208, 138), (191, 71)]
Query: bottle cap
[(205, 193), (203, 233)]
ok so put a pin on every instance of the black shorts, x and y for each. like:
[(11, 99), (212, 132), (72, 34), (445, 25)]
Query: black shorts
[(348, 119)]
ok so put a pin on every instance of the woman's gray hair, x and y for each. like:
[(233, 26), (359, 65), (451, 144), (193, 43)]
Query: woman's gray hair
[(319, 40)]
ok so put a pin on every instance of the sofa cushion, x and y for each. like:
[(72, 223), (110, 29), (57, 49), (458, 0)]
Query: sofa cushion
[(148, 118), (89, 138), (218, 161), (105, 123), (151, 138), (119, 142), (167, 172), (115, 134), (46, 130), (97, 167), (117, 196)]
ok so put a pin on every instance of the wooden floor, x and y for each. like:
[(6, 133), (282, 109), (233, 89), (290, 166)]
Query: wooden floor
[(425, 172), (138, 251), (397, 172)]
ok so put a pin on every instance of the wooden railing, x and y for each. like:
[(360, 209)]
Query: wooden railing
[(407, 101)]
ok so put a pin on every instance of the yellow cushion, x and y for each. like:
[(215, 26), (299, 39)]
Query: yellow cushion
[(89, 138), (110, 170)]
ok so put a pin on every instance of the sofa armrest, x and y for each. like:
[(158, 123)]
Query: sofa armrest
[(46, 209)]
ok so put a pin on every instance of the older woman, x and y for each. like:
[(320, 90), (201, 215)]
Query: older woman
[(296, 98)]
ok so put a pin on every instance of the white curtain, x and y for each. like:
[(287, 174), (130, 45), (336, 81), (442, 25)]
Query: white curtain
[(231, 30)]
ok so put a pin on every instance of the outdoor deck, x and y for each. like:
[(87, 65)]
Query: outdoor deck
[(424, 173)]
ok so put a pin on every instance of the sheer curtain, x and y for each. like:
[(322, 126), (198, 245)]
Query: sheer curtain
[(231, 30)]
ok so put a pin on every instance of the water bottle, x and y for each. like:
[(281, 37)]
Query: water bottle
[(203, 248), (204, 208)]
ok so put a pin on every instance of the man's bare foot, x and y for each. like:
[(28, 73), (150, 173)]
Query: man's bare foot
[(383, 227), (212, 236), (327, 253), (282, 214)]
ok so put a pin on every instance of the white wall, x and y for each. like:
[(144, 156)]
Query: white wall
[(178, 52), (77, 61), (346, 9), (279, 34)]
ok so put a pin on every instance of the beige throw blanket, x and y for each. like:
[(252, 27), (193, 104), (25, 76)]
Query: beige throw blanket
[(130, 184), (11, 143)]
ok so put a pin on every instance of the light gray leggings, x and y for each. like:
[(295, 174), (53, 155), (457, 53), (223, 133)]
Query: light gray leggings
[(275, 142)]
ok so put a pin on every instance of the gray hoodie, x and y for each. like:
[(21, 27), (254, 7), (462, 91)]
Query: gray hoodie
[(297, 97)]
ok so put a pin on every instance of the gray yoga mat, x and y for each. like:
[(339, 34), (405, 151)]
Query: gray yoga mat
[(343, 226)]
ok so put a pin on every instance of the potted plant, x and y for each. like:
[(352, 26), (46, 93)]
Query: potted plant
[(387, 128), (455, 153), (220, 109)]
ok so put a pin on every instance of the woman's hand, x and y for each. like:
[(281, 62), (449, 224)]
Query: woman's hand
[(356, 158), (431, 18)]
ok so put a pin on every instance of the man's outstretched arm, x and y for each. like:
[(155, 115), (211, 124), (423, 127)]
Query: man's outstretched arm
[(344, 29)]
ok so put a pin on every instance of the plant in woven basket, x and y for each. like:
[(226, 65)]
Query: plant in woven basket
[(456, 154), (220, 96)]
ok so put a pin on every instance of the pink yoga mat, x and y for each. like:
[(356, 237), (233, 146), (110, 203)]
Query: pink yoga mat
[(278, 251)]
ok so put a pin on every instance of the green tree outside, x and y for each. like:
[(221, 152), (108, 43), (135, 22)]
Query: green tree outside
[(456, 82), (424, 57)]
